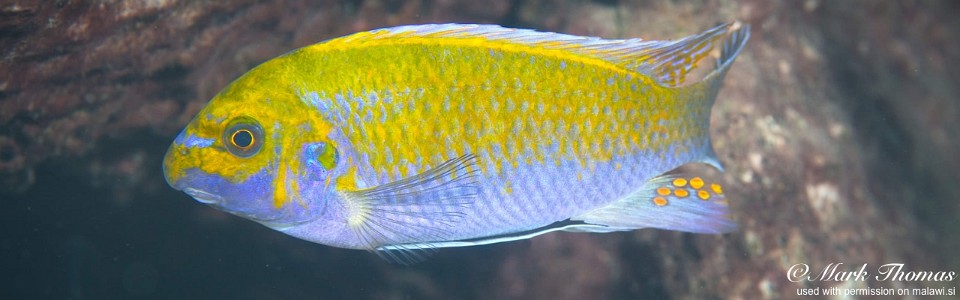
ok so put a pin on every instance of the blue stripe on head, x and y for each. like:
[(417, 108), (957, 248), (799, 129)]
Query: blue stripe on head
[(192, 141)]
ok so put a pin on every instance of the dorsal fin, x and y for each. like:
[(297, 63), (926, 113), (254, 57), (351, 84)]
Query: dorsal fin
[(670, 62), (667, 62)]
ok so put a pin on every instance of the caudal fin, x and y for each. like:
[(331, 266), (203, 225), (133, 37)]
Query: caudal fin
[(737, 36)]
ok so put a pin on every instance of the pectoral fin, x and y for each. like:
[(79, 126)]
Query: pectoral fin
[(415, 209)]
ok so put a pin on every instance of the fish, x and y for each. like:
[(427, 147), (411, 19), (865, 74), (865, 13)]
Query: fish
[(405, 140)]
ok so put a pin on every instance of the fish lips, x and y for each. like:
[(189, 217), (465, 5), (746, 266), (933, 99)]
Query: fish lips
[(203, 196)]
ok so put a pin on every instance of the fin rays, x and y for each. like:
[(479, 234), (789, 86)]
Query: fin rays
[(416, 208), (668, 62), (671, 202)]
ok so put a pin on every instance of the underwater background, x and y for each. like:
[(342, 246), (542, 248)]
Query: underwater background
[(838, 126)]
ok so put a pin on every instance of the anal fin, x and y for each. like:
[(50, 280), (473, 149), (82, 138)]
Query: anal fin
[(671, 202)]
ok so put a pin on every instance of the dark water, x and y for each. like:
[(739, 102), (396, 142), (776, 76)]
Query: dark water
[(838, 127)]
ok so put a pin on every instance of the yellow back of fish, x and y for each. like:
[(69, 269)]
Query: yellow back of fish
[(508, 102)]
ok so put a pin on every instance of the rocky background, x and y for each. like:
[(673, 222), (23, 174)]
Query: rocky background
[(838, 126)]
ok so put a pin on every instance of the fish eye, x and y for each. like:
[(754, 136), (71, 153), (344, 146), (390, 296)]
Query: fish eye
[(243, 137)]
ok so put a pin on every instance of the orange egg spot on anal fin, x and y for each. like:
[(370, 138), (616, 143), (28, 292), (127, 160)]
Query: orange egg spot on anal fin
[(716, 188), (662, 191), (660, 201), (680, 182), (696, 182), (704, 195)]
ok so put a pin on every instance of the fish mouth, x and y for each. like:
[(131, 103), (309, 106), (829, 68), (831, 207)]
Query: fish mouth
[(203, 196)]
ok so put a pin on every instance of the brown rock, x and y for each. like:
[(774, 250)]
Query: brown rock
[(837, 126)]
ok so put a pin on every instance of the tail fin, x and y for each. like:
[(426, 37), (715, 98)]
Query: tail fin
[(739, 34), (736, 35)]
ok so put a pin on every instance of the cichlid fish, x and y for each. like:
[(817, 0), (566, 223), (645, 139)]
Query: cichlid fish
[(408, 139)]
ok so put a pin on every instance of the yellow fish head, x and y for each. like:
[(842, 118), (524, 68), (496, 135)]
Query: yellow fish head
[(256, 150)]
